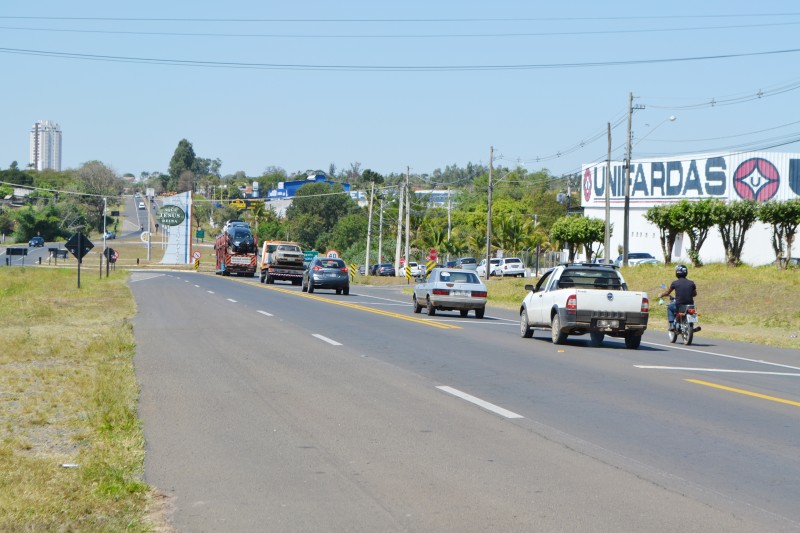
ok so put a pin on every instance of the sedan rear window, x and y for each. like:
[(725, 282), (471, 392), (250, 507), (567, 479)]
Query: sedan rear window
[(332, 263), (458, 277)]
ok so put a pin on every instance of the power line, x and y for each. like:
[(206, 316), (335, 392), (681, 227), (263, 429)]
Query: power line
[(317, 35), (384, 68)]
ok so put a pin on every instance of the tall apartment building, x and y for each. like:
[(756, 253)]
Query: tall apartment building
[(46, 145)]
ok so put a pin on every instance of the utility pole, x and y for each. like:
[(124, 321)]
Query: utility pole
[(627, 214), (105, 205), (607, 241), (627, 219), (408, 210), (369, 230), (449, 222), (489, 217), (380, 231), (400, 203)]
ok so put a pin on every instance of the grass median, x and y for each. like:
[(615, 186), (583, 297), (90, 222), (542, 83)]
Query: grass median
[(71, 445)]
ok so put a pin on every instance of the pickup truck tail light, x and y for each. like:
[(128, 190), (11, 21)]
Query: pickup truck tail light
[(479, 294), (645, 305), (572, 303), (441, 292)]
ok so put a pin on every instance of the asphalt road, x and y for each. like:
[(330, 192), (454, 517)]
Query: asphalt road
[(268, 409)]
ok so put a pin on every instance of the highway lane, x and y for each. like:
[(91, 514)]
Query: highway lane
[(632, 411)]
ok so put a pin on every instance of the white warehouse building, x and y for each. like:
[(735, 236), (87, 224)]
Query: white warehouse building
[(759, 176)]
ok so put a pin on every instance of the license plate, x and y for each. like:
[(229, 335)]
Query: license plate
[(691, 318), (331, 275), (458, 293), (608, 323)]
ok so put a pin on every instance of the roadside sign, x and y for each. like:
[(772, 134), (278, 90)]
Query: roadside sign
[(332, 254), (430, 266), (78, 245), (433, 255), (408, 271), (309, 255), (196, 255), (171, 215), (353, 268)]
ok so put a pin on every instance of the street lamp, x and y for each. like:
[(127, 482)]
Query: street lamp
[(628, 162)]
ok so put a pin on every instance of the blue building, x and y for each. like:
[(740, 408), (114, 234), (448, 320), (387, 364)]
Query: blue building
[(287, 189)]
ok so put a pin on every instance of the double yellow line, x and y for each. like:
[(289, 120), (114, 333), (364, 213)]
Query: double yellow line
[(423, 321)]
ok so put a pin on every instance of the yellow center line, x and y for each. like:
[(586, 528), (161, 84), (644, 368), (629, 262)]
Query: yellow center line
[(423, 321), (745, 392)]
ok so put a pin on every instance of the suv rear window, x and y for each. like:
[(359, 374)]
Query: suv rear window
[(467, 260)]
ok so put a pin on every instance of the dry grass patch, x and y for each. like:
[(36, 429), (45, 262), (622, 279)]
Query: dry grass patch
[(68, 396)]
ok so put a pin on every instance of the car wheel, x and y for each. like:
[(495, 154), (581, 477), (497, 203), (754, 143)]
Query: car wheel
[(417, 307), (303, 287), (310, 285), (346, 290), (262, 277), (431, 308), (555, 331), (632, 341), (339, 292), (464, 313), (479, 312), (525, 329), (596, 338)]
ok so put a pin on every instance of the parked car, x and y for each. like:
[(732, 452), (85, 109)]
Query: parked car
[(417, 270), (466, 263), (326, 273), (481, 269), (362, 269), (450, 264), (448, 289), (385, 269), (634, 258), (36, 241), (109, 235)]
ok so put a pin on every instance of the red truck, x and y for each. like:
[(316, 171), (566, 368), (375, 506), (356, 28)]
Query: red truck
[(236, 251)]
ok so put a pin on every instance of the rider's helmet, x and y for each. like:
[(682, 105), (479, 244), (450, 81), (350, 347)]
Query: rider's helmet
[(681, 271)]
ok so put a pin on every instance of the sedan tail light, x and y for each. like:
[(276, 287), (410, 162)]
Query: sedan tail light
[(441, 292), (344, 269), (479, 294), (317, 268)]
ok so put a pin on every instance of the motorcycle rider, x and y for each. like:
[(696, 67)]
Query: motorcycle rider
[(685, 291)]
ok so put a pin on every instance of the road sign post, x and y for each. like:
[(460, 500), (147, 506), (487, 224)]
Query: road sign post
[(78, 245)]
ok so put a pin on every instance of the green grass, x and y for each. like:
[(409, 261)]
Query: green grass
[(759, 305), (68, 396)]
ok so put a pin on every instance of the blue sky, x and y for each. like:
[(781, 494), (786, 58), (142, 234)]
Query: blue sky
[(328, 109)]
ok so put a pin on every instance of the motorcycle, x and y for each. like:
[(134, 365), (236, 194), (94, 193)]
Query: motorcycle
[(686, 324)]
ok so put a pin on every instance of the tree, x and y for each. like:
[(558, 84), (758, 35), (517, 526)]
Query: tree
[(695, 219), (663, 217), (315, 210), (567, 232), (99, 182), (784, 217), (370, 176), (183, 159), (733, 221), (348, 231)]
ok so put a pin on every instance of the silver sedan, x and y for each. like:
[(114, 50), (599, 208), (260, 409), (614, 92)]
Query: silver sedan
[(449, 289)]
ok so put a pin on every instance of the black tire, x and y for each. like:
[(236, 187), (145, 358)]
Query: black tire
[(346, 291), (431, 308), (464, 312), (310, 285), (338, 292), (417, 307), (596, 338), (263, 278), (555, 331), (673, 336), (525, 329), (303, 287), (479, 312), (687, 332), (632, 341)]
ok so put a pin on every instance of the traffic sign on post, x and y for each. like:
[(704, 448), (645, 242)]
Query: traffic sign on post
[(433, 255)]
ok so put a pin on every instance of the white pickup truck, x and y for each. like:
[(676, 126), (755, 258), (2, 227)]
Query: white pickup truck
[(575, 299)]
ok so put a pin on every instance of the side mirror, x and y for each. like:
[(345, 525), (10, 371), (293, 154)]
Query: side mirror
[(529, 287)]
